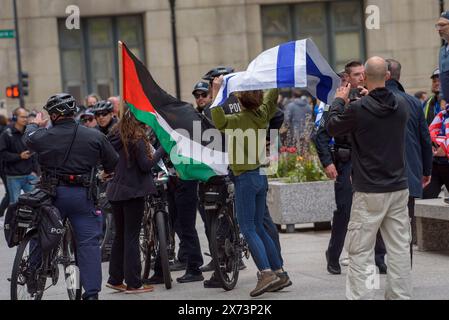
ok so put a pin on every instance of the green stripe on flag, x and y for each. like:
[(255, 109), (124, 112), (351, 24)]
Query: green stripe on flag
[(188, 169)]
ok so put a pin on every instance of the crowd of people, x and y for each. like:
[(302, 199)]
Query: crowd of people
[(383, 147)]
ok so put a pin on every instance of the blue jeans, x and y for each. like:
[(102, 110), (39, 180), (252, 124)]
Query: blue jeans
[(18, 183), (250, 201)]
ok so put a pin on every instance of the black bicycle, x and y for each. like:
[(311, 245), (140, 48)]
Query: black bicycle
[(31, 268), (226, 243), (155, 236)]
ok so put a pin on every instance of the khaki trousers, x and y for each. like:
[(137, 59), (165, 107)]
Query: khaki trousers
[(371, 211)]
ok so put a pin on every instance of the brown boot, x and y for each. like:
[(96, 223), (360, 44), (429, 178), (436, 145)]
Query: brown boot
[(265, 280), (284, 282)]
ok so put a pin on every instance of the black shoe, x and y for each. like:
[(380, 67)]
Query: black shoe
[(208, 267), (213, 282), (178, 266), (189, 277), (154, 279), (331, 267), (382, 268), (94, 297)]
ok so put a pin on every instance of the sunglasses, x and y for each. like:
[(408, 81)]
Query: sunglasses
[(200, 95), (87, 119), (102, 114)]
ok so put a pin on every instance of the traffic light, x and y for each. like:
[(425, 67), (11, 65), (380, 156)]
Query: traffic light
[(24, 81), (13, 92)]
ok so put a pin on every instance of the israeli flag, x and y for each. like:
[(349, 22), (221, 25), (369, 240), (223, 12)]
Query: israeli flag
[(296, 64)]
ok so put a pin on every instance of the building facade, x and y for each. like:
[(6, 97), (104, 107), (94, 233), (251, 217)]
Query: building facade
[(209, 33)]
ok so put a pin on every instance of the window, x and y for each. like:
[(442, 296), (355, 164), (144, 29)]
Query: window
[(336, 27), (89, 55)]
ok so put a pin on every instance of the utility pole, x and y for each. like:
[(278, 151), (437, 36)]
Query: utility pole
[(175, 47), (19, 62)]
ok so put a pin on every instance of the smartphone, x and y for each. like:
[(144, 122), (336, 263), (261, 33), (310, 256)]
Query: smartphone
[(355, 94)]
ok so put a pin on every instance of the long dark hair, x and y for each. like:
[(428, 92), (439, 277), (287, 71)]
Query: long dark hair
[(131, 131)]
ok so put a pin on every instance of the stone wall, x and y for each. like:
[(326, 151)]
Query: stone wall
[(210, 33)]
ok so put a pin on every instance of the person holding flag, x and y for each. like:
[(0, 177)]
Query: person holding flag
[(250, 184)]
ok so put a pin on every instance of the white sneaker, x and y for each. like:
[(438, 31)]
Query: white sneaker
[(2, 222), (344, 262)]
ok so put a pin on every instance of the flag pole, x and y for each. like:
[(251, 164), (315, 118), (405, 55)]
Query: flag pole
[(120, 76)]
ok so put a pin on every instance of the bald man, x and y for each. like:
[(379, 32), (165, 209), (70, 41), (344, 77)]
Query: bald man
[(376, 124), (116, 103)]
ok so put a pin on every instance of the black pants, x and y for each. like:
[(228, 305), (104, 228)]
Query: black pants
[(5, 201), (174, 222), (182, 207), (440, 177), (125, 261), (340, 220)]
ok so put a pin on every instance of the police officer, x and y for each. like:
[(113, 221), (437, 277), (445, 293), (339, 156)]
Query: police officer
[(68, 154), (104, 114), (202, 95), (336, 161)]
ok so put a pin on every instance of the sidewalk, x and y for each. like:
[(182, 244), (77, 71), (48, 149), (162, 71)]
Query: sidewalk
[(304, 256)]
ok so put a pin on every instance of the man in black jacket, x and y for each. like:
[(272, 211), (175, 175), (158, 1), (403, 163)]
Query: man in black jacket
[(377, 127), (20, 165), (418, 147)]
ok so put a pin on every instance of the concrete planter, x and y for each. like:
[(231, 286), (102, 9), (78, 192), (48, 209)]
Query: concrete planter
[(296, 203)]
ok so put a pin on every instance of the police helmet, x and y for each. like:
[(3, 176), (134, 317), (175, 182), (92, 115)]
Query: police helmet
[(216, 72), (102, 106), (62, 103)]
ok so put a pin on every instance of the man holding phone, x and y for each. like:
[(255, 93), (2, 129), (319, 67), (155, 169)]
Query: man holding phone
[(20, 163)]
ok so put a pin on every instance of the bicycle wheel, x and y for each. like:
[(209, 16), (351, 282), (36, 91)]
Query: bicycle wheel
[(25, 283), (224, 246), (146, 244), (69, 263), (162, 237), (108, 236)]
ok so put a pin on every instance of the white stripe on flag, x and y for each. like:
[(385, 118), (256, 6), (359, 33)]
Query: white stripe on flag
[(292, 64)]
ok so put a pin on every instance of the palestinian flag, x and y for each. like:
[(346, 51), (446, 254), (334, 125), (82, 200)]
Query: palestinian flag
[(178, 126)]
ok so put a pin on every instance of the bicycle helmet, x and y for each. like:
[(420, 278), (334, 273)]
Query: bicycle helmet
[(62, 103), (216, 72), (102, 106)]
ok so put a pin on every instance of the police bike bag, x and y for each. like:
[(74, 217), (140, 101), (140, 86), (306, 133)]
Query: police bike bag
[(24, 214)]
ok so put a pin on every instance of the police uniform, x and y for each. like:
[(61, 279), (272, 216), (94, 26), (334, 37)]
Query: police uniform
[(338, 153), (74, 200)]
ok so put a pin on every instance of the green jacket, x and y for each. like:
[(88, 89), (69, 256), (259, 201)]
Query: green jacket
[(247, 133)]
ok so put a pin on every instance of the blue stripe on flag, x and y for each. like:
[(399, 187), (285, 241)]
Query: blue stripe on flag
[(324, 86), (286, 65), (225, 91)]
